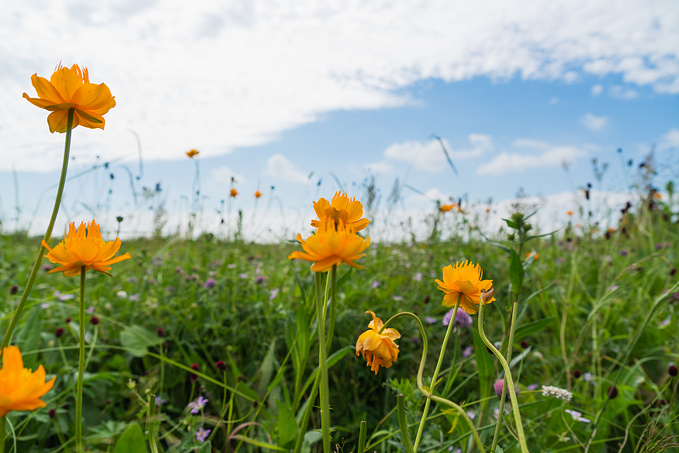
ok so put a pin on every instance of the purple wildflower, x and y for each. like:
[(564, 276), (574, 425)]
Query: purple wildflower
[(273, 293), (469, 350), (210, 283), (376, 284), (418, 277), (462, 319), (160, 401), (202, 434), (198, 405), (259, 279), (430, 320)]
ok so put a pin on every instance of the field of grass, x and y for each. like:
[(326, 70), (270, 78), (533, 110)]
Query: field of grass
[(229, 329)]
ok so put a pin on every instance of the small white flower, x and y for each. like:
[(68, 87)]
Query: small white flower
[(556, 392), (577, 416), (122, 294)]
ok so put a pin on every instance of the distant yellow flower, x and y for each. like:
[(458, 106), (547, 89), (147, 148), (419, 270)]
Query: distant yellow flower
[(657, 195), (193, 153), (464, 281), (84, 247), (342, 208), (378, 348), (446, 207), (20, 388), (71, 89), (234, 193), (258, 194), (331, 245), (569, 213)]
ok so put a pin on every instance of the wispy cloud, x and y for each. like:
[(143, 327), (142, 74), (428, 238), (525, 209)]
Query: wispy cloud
[(281, 168), (429, 155), (224, 174), (548, 156), (593, 122), (220, 77), (670, 140), (379, 167)]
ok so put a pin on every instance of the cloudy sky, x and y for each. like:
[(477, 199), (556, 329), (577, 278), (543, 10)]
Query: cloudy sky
[(307, 97)]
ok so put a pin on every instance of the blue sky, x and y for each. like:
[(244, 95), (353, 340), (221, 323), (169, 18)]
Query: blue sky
[(270, 92)]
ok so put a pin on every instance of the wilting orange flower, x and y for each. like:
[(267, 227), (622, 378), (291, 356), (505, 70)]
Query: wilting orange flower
[(84, 247), (378, 348), (331, 245), (193, 153), (463, 281), (20, 388), (234, 193), (71, 89), (258, 194), (342, 208)]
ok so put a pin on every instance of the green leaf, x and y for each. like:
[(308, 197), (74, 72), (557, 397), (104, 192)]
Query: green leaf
[(131, 441), (258, 443), (511, 224), (484, 365), (29, 337), (137, 340), (333, 359), (206, 447), (516, 272), (287, 425), (532, 328)]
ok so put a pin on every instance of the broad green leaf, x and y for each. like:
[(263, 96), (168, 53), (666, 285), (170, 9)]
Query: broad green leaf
[(137, 340), (206, 447), (131, 441), (532, 328), (516, 271), (29, 337), (484, 365), (287, 425)]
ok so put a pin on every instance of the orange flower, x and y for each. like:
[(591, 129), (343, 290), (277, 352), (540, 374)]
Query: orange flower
[(446, 207), (463, 281), (258, 194), (569, 213), (193, 153), (84, 248), (20, 388), (71, 89), (378, 348), (533, 254), (331, 245), (342, 208), (233, 193)]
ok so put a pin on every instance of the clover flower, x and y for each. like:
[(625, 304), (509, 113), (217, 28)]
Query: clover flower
[(71, 89), (84, 249), (463, 282), (20, 388), (378, 348)]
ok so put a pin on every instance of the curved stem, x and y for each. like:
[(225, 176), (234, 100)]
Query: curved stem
[(48, 234), (501, 408), (81, 366), (424, 390), (508, 380), (420, 429), (323, 366)]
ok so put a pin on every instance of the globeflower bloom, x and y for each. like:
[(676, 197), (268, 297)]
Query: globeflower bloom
[(258, 194), (446, 207), (20, 388), (233, 193), (193, 153), (463, 282), (71, 89), (340, 209), (331, 245), (84, 248), (379, 349)]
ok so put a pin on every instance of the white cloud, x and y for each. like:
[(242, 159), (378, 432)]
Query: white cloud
[(553, 101), (670, 140), (218, 76), (280, 167), (597, 90), (224, 174), (551, 156), (379, 167), (593, 122), (429, 155), (619, 92)]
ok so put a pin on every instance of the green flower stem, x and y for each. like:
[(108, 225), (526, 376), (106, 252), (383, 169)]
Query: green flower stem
[(420, 429), (508, 380), (323, 366), (81, 367), (306, 415), (363, 430), (403, 424), (2, 434), (453, 373), (152, 423), (500, 418), (655, 305), (48, 235), (333, 304), (425, 391)]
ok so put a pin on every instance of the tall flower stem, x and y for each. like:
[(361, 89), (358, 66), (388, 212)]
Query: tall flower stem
[(81, 367), (323, 366), (424, 390), (418, 437), (629, 349), (48, 235), (2, 434), (508, 380), (500, 418)]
